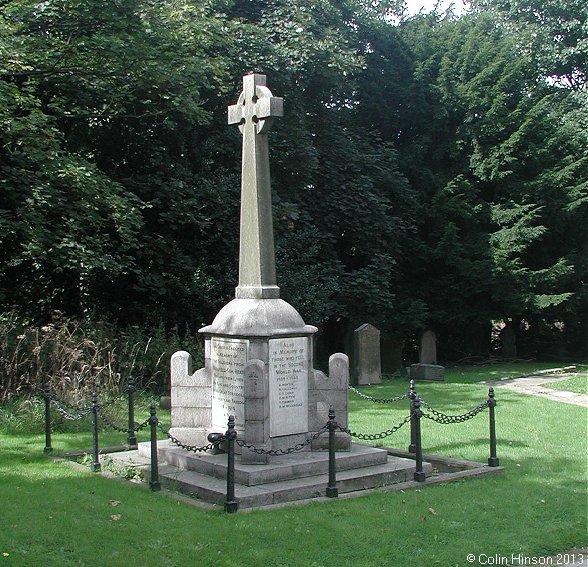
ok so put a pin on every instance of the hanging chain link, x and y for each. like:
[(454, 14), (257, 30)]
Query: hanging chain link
[(70, 416), (63, 404), (110, 423), (83, 411), (288, 451), (175, 441), (378, 400), (116, 427), (78, 408), (439, 417), (142, 425), (375, 436), (192, 448)]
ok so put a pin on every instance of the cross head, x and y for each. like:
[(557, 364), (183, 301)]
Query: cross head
[(256, 106)]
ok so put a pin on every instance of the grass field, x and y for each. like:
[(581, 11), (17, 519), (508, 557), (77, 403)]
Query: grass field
[(54, 515)]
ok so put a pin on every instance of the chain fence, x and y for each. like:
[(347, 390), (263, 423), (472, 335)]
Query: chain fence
[(83, 410), (189, 448), (73, 412), (60, 406), (110, 423), (419, 408), (241, 443), (431, 414), (70, 416)]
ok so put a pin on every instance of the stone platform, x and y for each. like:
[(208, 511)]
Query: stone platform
[(288, 478)]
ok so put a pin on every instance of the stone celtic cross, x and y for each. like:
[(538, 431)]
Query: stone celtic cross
[(254, 113)]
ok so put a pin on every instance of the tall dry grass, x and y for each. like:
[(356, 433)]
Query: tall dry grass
[(79, 357)]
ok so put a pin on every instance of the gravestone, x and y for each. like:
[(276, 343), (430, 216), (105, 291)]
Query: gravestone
[(427, 372), (368, 366), (427, 368), (428, 348), (392, 350), (508, 338), (258, 350)]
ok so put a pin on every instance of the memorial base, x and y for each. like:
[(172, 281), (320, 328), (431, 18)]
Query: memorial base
[(259, 369), (288, 478), (429, 372)]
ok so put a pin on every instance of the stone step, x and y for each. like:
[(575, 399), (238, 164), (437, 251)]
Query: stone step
[(212, 489), (282, 467)]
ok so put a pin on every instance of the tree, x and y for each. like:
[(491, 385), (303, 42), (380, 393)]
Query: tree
[(551, 32), (337, 189), (476, 132), (114, 90), (63, 221)]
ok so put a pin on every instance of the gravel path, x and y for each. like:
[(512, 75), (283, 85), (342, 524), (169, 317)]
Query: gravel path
[(534, 384)]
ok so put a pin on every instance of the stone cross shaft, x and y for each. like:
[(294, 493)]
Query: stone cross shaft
[(254, 113)]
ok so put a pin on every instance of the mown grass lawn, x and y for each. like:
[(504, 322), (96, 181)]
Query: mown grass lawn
[(578, 384), (54, 515)]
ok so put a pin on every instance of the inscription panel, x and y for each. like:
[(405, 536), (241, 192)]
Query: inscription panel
[(228, 358), (288, 386)]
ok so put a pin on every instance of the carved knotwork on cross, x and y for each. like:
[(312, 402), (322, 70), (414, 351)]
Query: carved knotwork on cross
[(254, 113)]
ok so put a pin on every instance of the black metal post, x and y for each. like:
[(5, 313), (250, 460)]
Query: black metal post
[(493, 459), (411, 397), (419, 473), (47, 396), (154, 483), (231, 503), (131, 437), (96, 462), (332, 490)]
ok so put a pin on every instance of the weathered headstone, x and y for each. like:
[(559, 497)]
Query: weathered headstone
[(258, 350), (428, 348), (427, 368), (392, 350), (368, 365)]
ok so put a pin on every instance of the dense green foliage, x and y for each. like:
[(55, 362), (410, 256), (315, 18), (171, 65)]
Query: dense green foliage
[(425, 174), (551, 32)]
